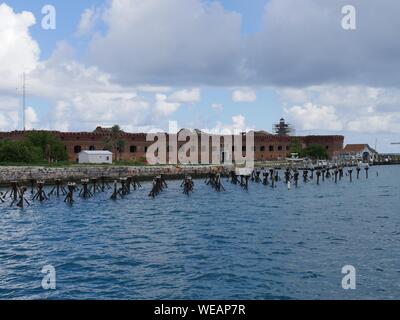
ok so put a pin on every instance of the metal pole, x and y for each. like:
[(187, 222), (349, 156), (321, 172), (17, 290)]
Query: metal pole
[(23, 102)]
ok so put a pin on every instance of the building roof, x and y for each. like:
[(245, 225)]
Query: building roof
[(97, 152), (350, 148)]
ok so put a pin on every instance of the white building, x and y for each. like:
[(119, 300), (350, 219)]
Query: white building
[(358, 152), (96, 156)]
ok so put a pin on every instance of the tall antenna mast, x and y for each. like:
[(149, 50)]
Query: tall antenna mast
[(23, 101)]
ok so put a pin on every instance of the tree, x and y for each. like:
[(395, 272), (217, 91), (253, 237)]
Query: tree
[(19, 152), (114, 141), (316, 151), (296, 147), (52, 147)]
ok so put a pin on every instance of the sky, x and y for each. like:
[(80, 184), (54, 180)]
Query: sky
[(212, 65)]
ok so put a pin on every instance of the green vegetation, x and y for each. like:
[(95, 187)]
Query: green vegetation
[(114, 142), (19, 152), (314, 151), (53, 150), (296, 147), (37, 148)]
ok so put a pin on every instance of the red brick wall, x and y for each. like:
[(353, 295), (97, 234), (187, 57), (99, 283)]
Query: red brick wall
[(279, 144)]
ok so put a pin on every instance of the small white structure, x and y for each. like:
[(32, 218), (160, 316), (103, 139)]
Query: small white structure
[(96, 156), (358, 152)]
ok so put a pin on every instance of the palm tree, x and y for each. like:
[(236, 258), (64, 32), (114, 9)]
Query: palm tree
[(117, 143)]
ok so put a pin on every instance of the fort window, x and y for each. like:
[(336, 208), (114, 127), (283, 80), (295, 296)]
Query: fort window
[(271, 148), (133, 149), (145, 149), (279, 148), (262, 148), (92, 148), (244, 148), (77, 149), (327, 147)]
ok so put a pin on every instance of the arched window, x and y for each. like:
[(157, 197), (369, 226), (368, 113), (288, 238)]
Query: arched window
[(77, 149)]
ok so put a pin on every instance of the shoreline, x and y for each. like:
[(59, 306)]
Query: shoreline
[(25, 174)]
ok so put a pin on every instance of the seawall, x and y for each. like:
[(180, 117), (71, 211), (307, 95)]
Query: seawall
[(75, 173)]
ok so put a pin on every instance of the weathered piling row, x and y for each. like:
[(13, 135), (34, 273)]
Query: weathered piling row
[(58, 189), (70, 195), (296, 178), (159, 185), (40, 194), (95, 187), (85, 191), (214, 180), (124, 185), (233, 178), (187, 185), (16, 194), (255, 176), (89, 188)]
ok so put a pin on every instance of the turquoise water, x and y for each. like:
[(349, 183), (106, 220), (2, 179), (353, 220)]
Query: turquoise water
[(258, 244)]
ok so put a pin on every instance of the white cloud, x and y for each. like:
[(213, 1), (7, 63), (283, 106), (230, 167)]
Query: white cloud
[(18, 51), (8, 120), (186, 96), (352, 108), (198, 42), (82, 97), (244, 95), (163, 107), (88, 20), (387, 123), (313, 117), (31, 118), (9, 117), (174, 42), (237, 126)]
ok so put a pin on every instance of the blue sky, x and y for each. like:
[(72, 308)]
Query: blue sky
[(206, 64)]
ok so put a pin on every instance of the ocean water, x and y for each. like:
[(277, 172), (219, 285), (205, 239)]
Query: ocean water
[(258, 244)]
